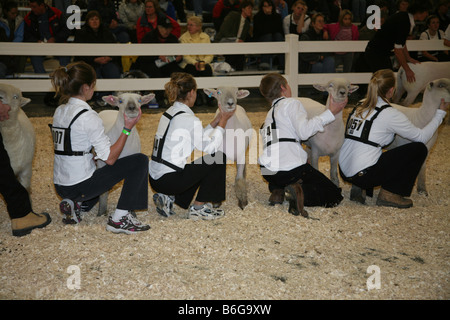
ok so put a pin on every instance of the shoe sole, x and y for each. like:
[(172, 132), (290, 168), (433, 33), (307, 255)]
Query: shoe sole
[(25, 231), (206, 218), (383, 203), (69, 216), (117, 231)]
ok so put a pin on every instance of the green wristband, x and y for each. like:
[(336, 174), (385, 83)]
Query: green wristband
[(126, 132)]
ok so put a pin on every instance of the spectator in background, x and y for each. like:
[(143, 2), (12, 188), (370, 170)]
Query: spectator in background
[(179, 8), (281, 7), (203, 5), (149, 20), (442, 13), (318, 6), (197, 65), (359, 10), (168, 8), (447, 37), (236, 28), (433, 33), (343, 30), (11, 30), (129, 12), (316, 62), (221, 10), (159, 66), (106, 67), (298, 21), (45, 24), (110, 18), (268, 27)]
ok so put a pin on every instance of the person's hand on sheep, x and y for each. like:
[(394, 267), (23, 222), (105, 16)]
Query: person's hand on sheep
[(4, 109), (131, 122), (444, 105), (336, 107)]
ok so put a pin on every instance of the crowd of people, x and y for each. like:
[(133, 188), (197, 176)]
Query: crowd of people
[(200, 186), (124, 21)]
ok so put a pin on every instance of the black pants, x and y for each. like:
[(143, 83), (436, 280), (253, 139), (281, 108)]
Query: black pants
[(134, 195), (16, 196), (396, 170), (206, 174), (377, 61), (318, 190)]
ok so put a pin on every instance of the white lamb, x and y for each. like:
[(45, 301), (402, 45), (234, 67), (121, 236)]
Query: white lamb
[(421, 116), (238, 132), (424, 73), (18, 134), (113, 121), (328, 142)]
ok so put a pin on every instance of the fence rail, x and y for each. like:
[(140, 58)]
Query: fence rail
[(290, 47)]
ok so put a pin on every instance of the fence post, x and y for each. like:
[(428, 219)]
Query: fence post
[(291, 67)]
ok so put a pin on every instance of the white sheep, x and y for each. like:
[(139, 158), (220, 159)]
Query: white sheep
[(238, 133), (421, 116), (424, 73), (328, 142), (113, 121), (18, 134)]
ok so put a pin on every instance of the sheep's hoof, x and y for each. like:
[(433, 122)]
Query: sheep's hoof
[(422, 192), (357, 194), (101, 213), (242, 204)]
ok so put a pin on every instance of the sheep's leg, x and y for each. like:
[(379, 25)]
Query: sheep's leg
[(399, 92), (314, 158), (409, 100), (240, 185), (421, 181), (24, 177), (103, 204), (334, 168)]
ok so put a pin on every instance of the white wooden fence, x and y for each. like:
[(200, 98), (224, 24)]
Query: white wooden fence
[(290, 47)]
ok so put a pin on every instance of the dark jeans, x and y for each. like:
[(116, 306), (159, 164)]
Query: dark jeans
[(132, 169), (318, 190), (205, 175), (376, 61), (396, 170), (16, 196)]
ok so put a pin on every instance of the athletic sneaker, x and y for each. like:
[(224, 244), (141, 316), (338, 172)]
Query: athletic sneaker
[(206, 212), (127, 224), (71, 211), (164, 204)]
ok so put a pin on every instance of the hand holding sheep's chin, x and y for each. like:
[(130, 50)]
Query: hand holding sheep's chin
[(444, 105), (131, 122), (336, 107), (4, 109)]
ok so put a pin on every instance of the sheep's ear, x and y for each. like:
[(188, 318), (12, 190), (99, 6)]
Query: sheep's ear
[(210, 92), (146, 99), (24, 101), (241, 94), (112, 100), (320, 87), (353, 88)]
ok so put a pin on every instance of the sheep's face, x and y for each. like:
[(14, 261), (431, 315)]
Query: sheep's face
[(13, 97), (437, 90), (338, 88), (227, 97), (129, 103)]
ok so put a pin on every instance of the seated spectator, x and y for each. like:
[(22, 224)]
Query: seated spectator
[(221, 9), (109, 15), (318, 6), (168, 8), (129, 12), (316, 62), (359, 10), (433, 33), (45, 24), (149, 20), (447, 37), (197, 65), (179, 8), (201, 6), (343, 30), (105, 67), (236, 28), (442, 13), (281, 8), (268, 27), (159, 66), (11, 30), (298, 21)]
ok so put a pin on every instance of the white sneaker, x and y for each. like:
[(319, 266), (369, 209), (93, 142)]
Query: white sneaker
[(164, 204), (205, 213)]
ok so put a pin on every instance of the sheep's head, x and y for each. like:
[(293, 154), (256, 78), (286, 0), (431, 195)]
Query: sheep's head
[(339, 88), (227, 96), (12, 96), (129, 103), (437, 90)]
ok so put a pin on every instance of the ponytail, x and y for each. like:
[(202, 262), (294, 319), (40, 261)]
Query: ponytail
[(68, 81), (380, 83), (179, 86)]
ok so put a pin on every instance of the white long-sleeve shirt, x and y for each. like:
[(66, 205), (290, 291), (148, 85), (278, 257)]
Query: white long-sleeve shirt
[(86, 132), (356, 156), (291, 122), (185, 134)]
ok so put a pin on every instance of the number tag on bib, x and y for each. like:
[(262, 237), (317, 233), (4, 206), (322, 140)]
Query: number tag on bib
[(58, 138)]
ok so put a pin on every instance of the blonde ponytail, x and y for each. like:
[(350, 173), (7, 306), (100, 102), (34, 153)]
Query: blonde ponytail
[(179, 86)]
